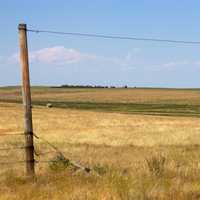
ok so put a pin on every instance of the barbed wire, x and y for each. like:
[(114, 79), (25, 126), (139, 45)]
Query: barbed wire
[(56, 150), (91, 35), (44, 153), (12, 162), (24, 161), (8, 134), (14, 148), (47, 142)]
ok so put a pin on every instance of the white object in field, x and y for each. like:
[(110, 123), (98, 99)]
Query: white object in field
[(49, 105)]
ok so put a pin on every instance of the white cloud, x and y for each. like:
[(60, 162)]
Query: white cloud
[(170, 66), (197, 63), (1, 59), (14, 58), (175, 63), (128, 61), (57, 55)]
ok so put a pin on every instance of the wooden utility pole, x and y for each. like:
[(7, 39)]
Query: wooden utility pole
[(26, 93)]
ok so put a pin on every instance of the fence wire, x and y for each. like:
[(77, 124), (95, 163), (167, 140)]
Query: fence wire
[(8, 134), (56, 150)]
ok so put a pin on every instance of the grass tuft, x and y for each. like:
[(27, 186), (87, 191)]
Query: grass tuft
[(156, 165)]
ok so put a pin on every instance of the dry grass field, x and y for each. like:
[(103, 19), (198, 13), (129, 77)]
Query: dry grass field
[(132, 156), (116, 95)]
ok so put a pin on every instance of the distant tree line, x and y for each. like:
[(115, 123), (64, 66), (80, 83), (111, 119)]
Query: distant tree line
[(89, 86)]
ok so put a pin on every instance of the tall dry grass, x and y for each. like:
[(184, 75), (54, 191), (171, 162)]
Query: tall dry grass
[(126, 150)]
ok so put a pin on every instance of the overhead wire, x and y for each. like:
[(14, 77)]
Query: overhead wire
[(104, 36)]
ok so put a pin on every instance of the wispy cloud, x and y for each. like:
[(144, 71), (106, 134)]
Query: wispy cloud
[(61, 56), (173, 64), (127, 62), (1, 59), (57, 55), (197, 63)]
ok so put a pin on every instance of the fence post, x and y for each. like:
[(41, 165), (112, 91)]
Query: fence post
[(26, 94)]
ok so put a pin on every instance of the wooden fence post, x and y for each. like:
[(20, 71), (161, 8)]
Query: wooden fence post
[(26, 94)]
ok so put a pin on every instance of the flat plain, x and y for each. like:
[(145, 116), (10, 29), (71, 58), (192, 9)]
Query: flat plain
[(140, 143)]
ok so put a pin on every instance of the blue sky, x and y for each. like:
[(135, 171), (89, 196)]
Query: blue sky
[(58, 60)]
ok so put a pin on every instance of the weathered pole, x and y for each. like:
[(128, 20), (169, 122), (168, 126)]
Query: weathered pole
[(26, 94)]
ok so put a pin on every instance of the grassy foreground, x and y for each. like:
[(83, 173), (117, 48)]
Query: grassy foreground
[(132, 156), (141, 157)]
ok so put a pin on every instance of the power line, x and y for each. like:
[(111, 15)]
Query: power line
[(113, 37)]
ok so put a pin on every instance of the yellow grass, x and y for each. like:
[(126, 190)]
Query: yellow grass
[(74, 126), (137, 95), (117, 143)]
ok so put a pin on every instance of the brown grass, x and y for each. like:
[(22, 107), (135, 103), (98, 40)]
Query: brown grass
[(132, 95), (117, 144)]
